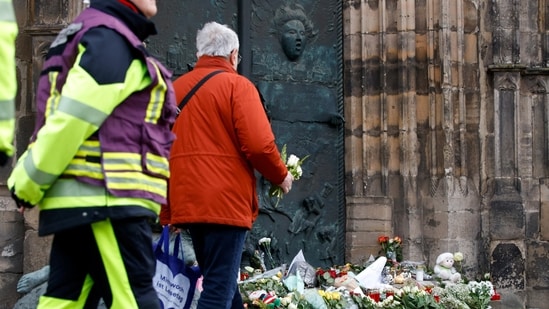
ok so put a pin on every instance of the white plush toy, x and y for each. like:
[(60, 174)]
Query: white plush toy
[(444, 269)]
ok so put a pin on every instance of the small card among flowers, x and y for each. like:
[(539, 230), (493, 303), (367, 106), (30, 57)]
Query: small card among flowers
[(293, 163)]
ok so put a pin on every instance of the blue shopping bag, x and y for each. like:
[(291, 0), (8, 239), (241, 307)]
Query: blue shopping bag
[(174, 281)]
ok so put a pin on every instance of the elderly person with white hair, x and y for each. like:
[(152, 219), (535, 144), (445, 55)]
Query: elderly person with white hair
[(222, 136)]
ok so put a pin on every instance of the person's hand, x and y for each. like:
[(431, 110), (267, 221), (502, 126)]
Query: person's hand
[(286, 185), (174, 229), (21, 204)]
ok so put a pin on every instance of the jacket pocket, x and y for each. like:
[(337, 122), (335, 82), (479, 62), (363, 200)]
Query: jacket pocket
[(155, 150)]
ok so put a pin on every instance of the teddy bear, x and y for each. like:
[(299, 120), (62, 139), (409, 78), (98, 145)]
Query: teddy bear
[(444, 268)]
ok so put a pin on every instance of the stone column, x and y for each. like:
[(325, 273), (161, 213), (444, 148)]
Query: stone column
[(369, 209)]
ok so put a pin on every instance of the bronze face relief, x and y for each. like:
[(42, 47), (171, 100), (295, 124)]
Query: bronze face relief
[(293, 39), (294, 29)]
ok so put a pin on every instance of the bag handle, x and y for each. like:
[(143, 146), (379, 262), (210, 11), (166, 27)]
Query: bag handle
[(176, 244), (165, 242), (165, 239), (194, 89)]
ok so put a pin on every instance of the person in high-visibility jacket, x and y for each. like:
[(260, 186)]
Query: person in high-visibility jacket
[(97, 163), (8, 82)]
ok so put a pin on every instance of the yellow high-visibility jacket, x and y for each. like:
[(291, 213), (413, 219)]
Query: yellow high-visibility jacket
[(8, 82), (102, 138)]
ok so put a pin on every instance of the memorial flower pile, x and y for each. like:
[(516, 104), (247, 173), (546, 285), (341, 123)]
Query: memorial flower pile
[(353, 286), (270, 293), (293, 163)]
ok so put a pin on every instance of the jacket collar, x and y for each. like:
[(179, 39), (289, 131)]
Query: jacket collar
[(138, 24), (214, 62)]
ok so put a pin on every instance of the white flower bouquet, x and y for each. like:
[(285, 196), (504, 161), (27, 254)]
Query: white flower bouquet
[(293, 163)]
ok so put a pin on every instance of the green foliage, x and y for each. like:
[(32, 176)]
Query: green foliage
[(266, 284), (363, 302), (417, 301)]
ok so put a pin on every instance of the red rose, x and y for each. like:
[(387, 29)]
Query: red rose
[(382, 239)]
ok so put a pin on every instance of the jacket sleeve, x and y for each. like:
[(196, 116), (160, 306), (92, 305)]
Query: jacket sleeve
[(254, 132), (8, 82), (86, 101)]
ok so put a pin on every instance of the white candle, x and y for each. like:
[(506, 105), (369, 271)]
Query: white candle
[(419, 275)]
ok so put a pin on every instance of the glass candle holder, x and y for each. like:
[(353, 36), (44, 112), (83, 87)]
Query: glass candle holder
[(375, 295)]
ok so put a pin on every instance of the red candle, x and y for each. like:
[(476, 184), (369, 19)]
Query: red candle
[(374, 295), (496, 296)]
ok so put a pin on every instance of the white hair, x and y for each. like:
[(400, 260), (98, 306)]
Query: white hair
[(216, 40)]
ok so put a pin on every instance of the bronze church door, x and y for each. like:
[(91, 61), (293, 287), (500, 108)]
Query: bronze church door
[(292, 51)]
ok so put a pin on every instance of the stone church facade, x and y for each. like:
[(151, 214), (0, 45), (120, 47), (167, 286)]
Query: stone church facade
[(446, 108)]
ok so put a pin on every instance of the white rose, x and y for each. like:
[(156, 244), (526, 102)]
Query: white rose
[(299, 171), (293, 160), (458, 256), (249, 269), (265, 240), (292, 306), (284, 301)]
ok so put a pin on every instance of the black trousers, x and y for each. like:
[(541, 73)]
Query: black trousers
[(112, 260)]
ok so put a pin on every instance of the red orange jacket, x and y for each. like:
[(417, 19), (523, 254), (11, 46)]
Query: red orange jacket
[(222, 135)]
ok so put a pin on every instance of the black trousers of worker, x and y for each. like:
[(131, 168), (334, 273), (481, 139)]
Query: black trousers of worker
[(112, 260)]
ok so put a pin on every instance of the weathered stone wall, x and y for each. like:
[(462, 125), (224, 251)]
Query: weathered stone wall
[(11, 248), (446, 109)]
